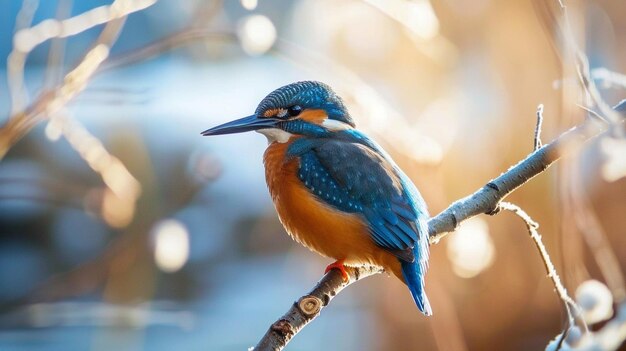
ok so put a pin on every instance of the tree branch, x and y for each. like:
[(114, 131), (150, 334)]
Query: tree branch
[(484, 200), (309, 306)]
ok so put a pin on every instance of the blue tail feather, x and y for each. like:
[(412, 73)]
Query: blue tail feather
[(414, 278)]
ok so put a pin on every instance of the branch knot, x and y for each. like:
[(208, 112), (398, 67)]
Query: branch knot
[(310, 305)]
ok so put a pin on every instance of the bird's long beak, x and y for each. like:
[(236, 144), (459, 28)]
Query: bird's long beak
[(241, 125)]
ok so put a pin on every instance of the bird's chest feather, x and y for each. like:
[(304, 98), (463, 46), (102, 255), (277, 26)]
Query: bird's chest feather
[(308, 219)]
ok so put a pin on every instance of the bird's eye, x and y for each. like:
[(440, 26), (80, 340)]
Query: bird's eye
[(294, 110)]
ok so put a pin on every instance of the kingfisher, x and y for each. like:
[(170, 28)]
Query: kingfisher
[(336, 190)]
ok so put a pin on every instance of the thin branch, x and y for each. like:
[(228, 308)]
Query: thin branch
[(537, 141), (608, 78), (485, 200), (570, 306)]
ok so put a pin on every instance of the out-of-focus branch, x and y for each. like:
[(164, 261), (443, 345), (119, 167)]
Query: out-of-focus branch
[(50, 101), (582, 68), (15, 68), (123, 190), (484, 201), (118, 201), (56, 54), (609, 336), (168, 43)]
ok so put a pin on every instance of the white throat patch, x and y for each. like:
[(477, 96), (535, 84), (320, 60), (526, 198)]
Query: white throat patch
[(335, 125), (275, 134)]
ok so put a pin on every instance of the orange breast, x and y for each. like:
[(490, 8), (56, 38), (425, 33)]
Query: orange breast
[(319, 227)]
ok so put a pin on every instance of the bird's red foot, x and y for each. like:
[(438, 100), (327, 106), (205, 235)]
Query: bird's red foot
[(339, 265)]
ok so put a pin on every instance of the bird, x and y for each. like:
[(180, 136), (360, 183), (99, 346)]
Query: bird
[(337, 191)]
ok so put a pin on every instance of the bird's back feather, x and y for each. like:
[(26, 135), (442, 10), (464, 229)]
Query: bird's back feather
[(353, 175)]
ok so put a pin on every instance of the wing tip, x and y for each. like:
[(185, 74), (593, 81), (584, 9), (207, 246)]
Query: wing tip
[(414, 279)]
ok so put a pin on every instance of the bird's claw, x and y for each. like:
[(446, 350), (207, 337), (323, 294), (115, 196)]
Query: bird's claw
[(339, 265)]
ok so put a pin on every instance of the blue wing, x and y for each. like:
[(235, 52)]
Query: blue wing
[(355, 178)]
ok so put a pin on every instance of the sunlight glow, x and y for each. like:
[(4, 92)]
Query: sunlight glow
[(257, 34), (171, 245), (380, 119), (471, 249), (417, 16)]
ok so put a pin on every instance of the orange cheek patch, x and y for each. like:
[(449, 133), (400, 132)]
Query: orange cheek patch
[(271, 112), (314, 116)]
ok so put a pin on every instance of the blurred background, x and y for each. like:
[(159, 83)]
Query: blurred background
[(122, 228)]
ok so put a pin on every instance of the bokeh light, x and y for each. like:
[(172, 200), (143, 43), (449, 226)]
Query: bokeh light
[(249, 4), (171, 245), (471, 249), (416, 15), (596, 301), (257, 34)]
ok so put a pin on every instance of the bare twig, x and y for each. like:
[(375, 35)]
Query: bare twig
[(569, 305), (537, 140), (609, 78)]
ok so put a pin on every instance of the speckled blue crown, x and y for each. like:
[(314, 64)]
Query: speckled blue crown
[(308, 95)]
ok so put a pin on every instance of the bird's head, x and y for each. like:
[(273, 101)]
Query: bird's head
[(304, 108)]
